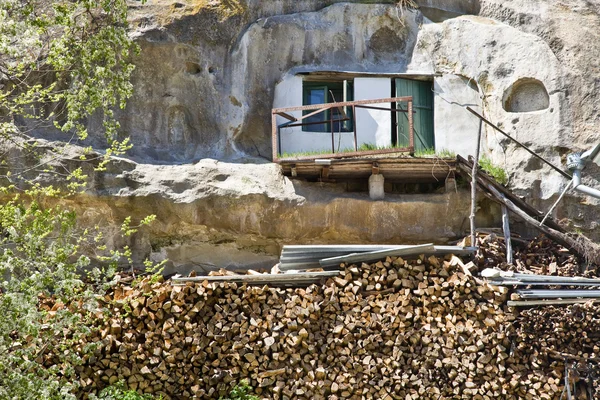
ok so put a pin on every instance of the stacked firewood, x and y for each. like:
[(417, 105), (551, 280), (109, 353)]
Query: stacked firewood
[(539, 256), (565, 340), (394, 329)]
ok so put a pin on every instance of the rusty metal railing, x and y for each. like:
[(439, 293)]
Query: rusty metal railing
[(341, 106)]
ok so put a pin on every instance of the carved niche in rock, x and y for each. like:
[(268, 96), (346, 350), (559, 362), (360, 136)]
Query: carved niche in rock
[(180, 133), (526, 95)]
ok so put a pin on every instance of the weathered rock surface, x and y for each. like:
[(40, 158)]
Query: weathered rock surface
[(204, 89), (228, 214)]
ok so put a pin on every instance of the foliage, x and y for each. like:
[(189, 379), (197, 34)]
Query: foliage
[(496, 172), (38, 261), (41, 262), (62, 62), (119, 392), (241, 391)]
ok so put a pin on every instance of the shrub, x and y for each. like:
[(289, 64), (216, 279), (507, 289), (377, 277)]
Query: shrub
[(241, 391)]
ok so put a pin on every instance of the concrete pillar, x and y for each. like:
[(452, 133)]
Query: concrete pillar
[(376, 187)]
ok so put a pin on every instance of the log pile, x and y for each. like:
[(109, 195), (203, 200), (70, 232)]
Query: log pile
[(539, 256), (565, 341), (394, 329)]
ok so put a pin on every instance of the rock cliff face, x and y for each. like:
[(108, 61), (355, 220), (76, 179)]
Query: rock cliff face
[(204, 87)]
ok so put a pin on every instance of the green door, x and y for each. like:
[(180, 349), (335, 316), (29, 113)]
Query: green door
[(422, 94)]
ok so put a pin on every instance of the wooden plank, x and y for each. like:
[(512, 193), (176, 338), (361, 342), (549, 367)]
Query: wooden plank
[(474, 188), (558, 294), (341, 104), (287, 116), (557, 236), (396, 170), (465, 166)]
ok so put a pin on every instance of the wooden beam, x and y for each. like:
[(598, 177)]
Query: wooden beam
[(286, 115), (583, 247), (343, 104), (474, 187)]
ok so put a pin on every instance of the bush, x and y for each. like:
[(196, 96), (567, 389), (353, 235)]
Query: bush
[(119, 392), (241, 391)]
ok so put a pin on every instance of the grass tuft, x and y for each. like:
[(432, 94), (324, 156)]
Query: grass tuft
[(496, 172), (441, 153)]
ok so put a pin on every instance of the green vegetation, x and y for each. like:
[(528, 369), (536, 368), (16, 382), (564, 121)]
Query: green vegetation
[(441, 153), (496, 172), (241, 392), (62, 62), (362, 147), (302, 154), (119, 392)]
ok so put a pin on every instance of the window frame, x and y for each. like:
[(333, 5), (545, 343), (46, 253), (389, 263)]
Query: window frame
[(345, 86)]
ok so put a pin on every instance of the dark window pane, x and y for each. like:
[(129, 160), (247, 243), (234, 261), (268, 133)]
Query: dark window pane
[(322, 93)]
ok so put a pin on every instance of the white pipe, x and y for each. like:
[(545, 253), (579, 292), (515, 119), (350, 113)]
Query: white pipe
[(583, 188), (556, 203)]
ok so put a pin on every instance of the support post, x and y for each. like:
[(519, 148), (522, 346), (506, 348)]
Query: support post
[(474, 186), (376, 187), (275, 140), (354, 128), (506, 230), (331, 126)]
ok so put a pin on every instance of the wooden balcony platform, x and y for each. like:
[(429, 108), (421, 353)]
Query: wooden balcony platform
[(394, 169)]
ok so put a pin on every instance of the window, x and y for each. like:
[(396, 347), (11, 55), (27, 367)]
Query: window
[(328, 92)]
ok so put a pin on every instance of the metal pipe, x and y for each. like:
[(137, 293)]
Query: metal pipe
[(583, 188), (384, 109), (508, 282), (529, 303), (411, 126), (556, 202), (278, 141), (321, 122), (506, 230), (557, 294), (342, 104), (496, 274)]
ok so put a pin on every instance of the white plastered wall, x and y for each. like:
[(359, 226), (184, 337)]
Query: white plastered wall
[(374, 126), (455, 128)]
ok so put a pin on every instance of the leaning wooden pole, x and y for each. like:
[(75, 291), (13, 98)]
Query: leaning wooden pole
[(581, 246), (474, 186)]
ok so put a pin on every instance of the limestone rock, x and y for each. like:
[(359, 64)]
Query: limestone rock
[(204, 86)]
